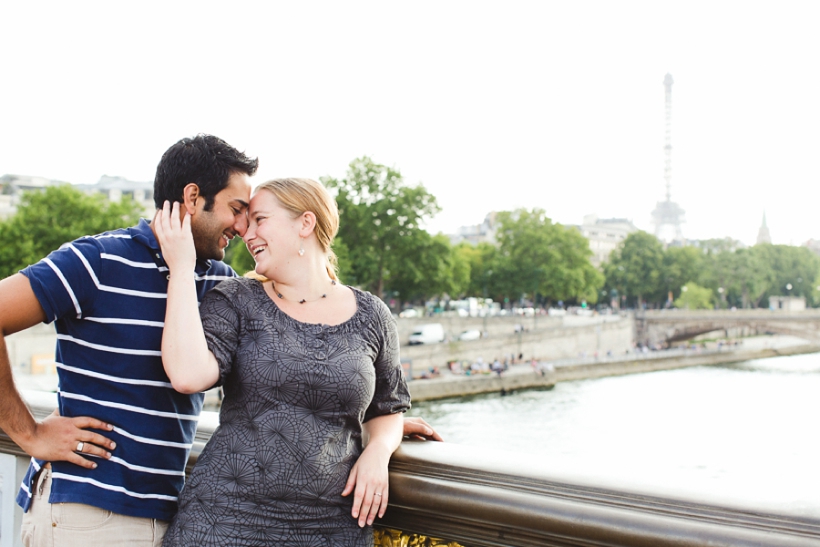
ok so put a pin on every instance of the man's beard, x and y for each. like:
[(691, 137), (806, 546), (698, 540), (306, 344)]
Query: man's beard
[(207, 235)]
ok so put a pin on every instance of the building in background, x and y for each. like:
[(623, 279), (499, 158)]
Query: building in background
[(604, 235), (13, 186), (787, 303), (477, 233), (113, 188), (118, 188), (813, 245), (716, 244)]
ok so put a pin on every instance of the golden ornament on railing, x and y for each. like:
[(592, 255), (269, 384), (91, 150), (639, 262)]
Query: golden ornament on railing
[(384, 537)]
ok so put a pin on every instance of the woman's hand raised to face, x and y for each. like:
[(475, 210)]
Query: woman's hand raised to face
[(175, 237)]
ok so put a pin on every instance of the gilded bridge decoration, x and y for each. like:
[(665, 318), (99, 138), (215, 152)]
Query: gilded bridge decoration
[(396, 538)]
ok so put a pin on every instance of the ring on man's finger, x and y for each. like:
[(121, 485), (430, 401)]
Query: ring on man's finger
[(80, 446)]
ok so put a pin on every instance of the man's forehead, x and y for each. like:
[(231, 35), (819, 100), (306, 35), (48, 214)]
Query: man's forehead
[(238, 191), (235, 198)]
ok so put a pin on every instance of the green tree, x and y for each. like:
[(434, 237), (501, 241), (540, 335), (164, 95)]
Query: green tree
[(795, 269), (681, 265), (380, 219), (544, 260), (16, 248), (343, 259), (460, 269), (751, 275), (238, 257), (718, 273), (695, 297), (815, 294), (46, 219), (478, 262), (635, 269), (435, 271), (747, 277)]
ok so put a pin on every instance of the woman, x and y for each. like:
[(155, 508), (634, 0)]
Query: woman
[(310, 370)]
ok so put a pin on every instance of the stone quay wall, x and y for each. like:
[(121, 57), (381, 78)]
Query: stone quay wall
[(523, 376), (545, 339)]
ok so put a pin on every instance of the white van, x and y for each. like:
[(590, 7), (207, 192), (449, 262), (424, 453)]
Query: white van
[(431, 333)]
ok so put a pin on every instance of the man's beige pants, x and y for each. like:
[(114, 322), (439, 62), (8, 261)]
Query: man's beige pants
[(78, 525)]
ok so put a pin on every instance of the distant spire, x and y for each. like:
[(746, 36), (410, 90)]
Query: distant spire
[(763, 235)]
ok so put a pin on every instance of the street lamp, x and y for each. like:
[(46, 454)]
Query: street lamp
[(487, 275), (535, 298)]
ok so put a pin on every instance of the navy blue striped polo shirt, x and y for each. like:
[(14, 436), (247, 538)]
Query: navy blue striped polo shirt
[(107, 295)]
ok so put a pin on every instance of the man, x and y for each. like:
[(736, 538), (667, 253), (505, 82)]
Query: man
[(114, 479)]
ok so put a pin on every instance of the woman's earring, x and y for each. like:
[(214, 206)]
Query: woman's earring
[(301, 248)]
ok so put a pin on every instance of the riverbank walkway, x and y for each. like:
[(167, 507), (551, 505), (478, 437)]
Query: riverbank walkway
[(545, 374)]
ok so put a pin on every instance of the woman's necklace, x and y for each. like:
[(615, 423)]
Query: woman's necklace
[(302, 301)]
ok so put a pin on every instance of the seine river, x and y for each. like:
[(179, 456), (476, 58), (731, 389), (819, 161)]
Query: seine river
[(748, 431)]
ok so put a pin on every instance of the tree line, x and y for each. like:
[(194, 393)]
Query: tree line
[(46, 219), (717, 273), (383, 247)]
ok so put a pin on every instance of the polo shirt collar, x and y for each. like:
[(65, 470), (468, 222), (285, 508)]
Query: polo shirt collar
[(143, 233)]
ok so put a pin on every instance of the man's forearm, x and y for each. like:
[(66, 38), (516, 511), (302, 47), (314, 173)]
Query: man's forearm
[(15, 418)]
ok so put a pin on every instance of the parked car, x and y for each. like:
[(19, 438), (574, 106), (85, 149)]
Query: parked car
[(431, 333), (471, 334), (409, 312)]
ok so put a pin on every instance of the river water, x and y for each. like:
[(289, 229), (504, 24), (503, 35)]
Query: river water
[(748, 431)]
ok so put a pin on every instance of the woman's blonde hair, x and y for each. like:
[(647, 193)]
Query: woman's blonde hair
[(298, 196)]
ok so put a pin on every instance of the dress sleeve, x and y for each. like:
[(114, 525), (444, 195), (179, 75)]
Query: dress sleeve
[(391, 394), (221, 321)]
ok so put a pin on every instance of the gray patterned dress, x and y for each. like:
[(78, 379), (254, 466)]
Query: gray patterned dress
[(296, 395)]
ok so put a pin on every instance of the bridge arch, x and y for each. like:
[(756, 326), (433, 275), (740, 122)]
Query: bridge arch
[(668, 326)]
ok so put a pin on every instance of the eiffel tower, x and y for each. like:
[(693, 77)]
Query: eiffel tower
[(668, 215)]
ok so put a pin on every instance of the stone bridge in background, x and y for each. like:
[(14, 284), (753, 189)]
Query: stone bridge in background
[(668, 326)]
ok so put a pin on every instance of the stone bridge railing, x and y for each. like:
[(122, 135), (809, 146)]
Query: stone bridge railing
[(450, 495), (667, 326)]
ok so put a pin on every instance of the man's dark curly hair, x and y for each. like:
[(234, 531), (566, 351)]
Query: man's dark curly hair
[(205, 160)]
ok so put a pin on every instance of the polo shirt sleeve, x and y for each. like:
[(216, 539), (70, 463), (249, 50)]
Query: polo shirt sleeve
[(66, 281), (221, 322)]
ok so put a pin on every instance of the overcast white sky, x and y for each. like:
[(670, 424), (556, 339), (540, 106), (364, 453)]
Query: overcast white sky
[(491, 105)]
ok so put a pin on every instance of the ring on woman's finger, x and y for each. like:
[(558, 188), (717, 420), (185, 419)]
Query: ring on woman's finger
[(80, 446), (377, 494)]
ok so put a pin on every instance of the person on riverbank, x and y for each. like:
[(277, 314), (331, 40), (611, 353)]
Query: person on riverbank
[(114, 479), (314, 390)]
